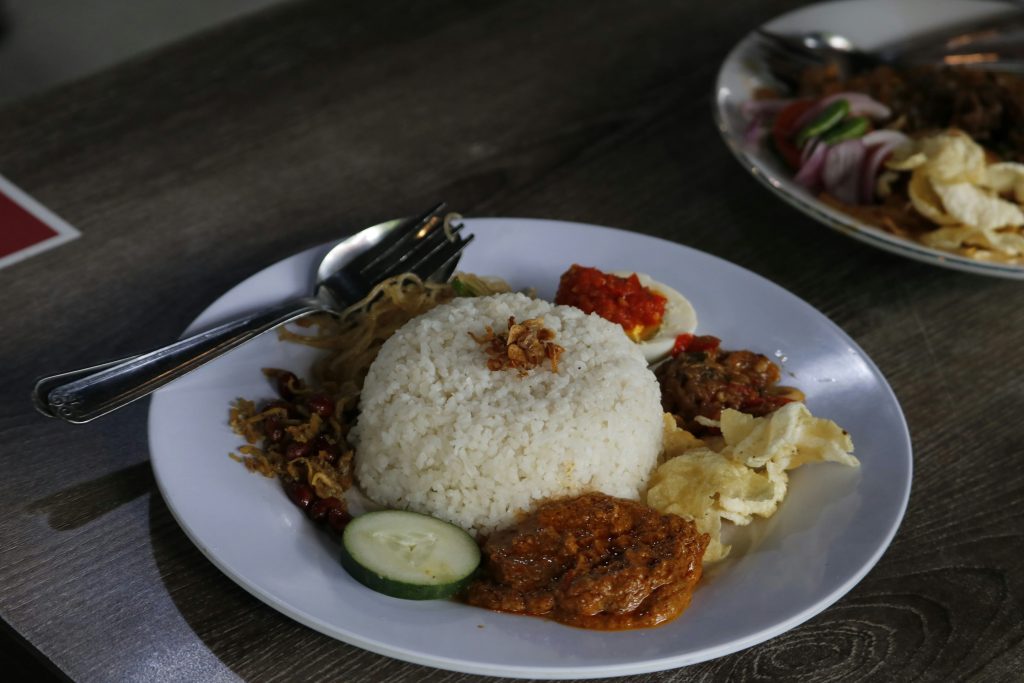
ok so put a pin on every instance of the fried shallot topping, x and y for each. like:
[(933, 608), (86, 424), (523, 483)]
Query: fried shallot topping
[(524, 347)]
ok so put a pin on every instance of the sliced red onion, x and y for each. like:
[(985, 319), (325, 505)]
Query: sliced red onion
[(842, 171), (869, 173), (808, 149), (809, 175), (883, 136), (865, 105), (876, 157)]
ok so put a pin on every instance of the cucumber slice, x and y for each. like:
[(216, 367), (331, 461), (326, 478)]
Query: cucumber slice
[(408, 555)]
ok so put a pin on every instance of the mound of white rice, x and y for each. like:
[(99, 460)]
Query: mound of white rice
[(441, 434)]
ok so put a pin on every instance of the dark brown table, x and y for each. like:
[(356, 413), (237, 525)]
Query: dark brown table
[(194, 167)]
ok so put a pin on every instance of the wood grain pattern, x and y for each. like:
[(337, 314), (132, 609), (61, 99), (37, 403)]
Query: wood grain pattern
[(192, 168)]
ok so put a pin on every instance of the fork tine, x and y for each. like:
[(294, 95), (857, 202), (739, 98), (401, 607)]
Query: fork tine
[(394, 243), (428, 255), (415, 248), (439, 264), (435, 266), (445, 270)]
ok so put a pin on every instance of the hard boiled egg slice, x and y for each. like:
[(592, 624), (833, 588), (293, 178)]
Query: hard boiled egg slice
[(679, 318)]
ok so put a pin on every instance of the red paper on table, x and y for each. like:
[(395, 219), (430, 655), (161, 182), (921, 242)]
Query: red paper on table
[(26, 226)]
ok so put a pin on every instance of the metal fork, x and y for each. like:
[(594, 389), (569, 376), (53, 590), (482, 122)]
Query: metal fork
[(994, 43), (428, 246)]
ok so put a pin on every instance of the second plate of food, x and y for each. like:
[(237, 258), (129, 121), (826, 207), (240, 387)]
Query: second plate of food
[(831, 528), (926, 210)]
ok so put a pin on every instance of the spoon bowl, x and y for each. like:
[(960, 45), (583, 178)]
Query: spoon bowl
[(995, 43)]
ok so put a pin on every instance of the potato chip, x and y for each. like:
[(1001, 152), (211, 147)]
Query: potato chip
[(956, 237), (953, 157), (926, 200), (675, 439), (1005, 178), (791, 436), (954, 186), (886, 179), (710, 523), (908, 160), (1007, 241), (738, 488), (692, 485), (971, 205), (950, 157), (748, 476)]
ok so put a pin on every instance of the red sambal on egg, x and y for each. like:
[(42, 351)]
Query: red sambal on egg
[(622, 300)]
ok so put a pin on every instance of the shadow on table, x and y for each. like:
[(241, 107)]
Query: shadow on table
[(249, 637), (83, 503)]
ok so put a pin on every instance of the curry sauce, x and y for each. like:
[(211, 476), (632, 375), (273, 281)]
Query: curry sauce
[(595, 562)]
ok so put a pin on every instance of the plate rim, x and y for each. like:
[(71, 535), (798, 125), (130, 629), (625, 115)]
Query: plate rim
[(813, 207), (577, 672)]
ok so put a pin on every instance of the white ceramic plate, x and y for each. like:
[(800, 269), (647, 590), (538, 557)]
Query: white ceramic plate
[(829, 532), (868, 23)]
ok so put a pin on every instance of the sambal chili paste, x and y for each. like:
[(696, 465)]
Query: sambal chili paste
[(622, 300)]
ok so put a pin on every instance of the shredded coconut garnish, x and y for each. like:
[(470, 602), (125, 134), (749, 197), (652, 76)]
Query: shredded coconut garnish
[(523, 347)]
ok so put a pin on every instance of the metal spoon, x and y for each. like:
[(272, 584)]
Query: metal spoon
[(424, 246), (994, 43)]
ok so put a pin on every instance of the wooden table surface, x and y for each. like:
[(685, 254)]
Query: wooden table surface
[(192, 168)]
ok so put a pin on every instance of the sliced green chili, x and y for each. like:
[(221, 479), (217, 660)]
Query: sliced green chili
[(847, 130), (830, 116)]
